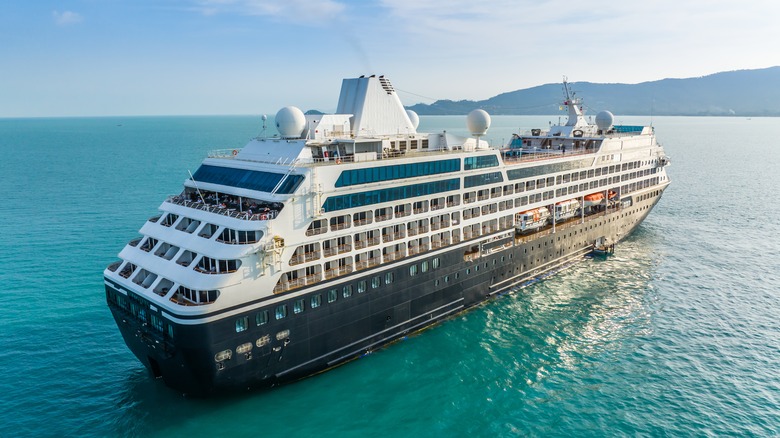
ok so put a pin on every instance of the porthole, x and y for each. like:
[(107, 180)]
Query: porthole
[(261, 318), (281, 311)]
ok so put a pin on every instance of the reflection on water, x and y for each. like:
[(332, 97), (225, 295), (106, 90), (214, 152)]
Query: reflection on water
[(584, 315)]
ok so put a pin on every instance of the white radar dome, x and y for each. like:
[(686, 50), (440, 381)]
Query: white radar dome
[(604, 120), (478, 122), (290, 122), (414, 118)]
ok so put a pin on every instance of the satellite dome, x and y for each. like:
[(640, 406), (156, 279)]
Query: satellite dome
[(264, 117), (604, 120), (414, 118), (478, 122), (290, 122)]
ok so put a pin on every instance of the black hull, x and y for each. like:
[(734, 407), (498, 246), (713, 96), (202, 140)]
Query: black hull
[(319, 338)]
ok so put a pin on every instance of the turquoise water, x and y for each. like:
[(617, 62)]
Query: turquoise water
[(678, 334)]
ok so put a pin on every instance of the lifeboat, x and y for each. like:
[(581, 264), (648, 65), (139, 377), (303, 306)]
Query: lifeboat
[(532, 219), (566, 209), (593, 199)]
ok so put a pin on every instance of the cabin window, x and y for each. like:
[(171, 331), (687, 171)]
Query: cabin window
[(281, 311), (332, 295), (375, 282), (346, 291), (413, 270), (424, 266), (362, 218), (361, 286), (261, 318), (389, 277), (339, 222), (298, 306), (383, 214), (242, 324), (403, 210), (317, 227), (316, 301)]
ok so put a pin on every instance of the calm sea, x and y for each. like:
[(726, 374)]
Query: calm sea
[(678, 334)]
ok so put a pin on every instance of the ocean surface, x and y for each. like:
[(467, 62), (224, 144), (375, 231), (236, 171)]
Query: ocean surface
[(678, 334)]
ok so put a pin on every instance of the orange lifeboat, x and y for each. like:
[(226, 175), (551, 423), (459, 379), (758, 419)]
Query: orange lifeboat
[(594, 197)]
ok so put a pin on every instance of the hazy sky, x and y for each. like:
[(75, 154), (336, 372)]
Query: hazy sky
[(138, 57)]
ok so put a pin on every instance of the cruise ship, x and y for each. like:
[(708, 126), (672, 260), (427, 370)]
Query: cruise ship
[(345, 232)]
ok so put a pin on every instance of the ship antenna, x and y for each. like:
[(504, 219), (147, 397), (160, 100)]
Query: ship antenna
[(196, 186), (652, 107), (265, 119)]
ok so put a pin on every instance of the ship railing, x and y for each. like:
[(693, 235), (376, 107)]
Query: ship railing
[(368, 263), (390, 256), (439, 244), (389, 237), (127, 271), (360, 244), (218, 209), (232, 154), (339, 226), (206, 271), (305, 257), (330, 160), (544, 154), (316, 231), (223, 153), (333, 250), (335, 272), (298, 282), (419, 230)]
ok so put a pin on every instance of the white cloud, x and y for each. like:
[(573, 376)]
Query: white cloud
[(66, 18), (295, 10)]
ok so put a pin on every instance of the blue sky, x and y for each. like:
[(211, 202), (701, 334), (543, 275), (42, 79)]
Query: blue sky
[(143, 57)]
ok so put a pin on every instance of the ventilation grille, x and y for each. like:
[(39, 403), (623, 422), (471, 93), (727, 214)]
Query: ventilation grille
[(386, 85)]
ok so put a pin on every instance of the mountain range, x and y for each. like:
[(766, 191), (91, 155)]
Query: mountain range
[(733, 93)]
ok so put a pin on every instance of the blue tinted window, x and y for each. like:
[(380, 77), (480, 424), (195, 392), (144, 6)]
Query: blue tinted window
[(471, 163), (398, 171), (480, 180), (342, 202), (247, 179), (548, 168)]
